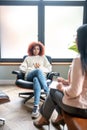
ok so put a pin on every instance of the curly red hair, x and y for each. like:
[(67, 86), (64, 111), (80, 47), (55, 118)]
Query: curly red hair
[(32, 45)]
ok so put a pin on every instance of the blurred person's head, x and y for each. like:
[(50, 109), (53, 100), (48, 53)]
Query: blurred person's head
[(82, 45), (36, 48)]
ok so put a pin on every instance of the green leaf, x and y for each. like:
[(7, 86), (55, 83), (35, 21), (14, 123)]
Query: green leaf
[(74, 48)]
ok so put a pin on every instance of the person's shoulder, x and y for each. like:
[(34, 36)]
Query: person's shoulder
[(43, 56), (28, 57), (77, 60)]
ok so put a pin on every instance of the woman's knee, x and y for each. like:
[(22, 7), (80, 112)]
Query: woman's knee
[(35, 79), (36, 84), (56, 95), (52, 92), (38, 71)]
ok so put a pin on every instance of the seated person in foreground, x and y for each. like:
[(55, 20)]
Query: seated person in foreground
[(36, 66), (71, 94)]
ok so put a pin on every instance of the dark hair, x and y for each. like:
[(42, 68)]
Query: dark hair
[(82, 45), (32, 45)]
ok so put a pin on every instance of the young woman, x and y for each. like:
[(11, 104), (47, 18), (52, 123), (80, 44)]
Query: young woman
[(71, 94), (35, 67)]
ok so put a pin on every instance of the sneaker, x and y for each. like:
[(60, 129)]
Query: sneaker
[(35, 112)]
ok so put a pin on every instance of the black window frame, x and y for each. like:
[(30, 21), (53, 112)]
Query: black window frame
[(41, 25)]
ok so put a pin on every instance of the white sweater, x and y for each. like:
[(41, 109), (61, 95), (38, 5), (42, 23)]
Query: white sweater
[(28, 64)]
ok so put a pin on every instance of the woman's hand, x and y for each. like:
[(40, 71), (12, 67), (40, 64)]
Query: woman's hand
[(60, 79), (36, 65), (60, 87), (63, 81)]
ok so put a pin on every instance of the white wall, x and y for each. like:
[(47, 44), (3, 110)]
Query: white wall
[(6, 76)]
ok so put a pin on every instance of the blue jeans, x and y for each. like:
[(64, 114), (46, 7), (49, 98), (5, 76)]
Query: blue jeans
[(39, 82)]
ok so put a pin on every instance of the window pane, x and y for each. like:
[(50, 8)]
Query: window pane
[(18, 29), (61, 24), (64, 0), (20, 0)]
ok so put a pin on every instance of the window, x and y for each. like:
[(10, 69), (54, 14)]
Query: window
[(65, 0), (52, 22), (18, 28), (61, 23)]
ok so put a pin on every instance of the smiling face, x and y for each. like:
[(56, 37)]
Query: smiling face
[(36, 50)]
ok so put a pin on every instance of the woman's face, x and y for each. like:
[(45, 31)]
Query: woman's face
[(36, 50)]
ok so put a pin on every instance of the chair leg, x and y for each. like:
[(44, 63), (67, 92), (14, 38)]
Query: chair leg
[(2, 121), (24, 94), (29, 95), (28, 98), (42, 98)]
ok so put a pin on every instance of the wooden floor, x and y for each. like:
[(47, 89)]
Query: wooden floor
[(17, 114)]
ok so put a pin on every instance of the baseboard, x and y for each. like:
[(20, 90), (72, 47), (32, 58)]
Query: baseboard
[(7, 82)]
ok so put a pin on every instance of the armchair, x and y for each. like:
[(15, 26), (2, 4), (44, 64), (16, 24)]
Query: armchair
[(20, 82)]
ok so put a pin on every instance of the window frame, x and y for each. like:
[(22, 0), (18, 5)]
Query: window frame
[(41, 25)]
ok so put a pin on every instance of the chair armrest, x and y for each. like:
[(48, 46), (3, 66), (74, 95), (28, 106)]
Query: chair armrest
[(20, 75), (15, 72), (52, 74)]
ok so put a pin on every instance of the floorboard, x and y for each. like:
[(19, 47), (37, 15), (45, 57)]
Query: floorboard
[(17, 114)]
